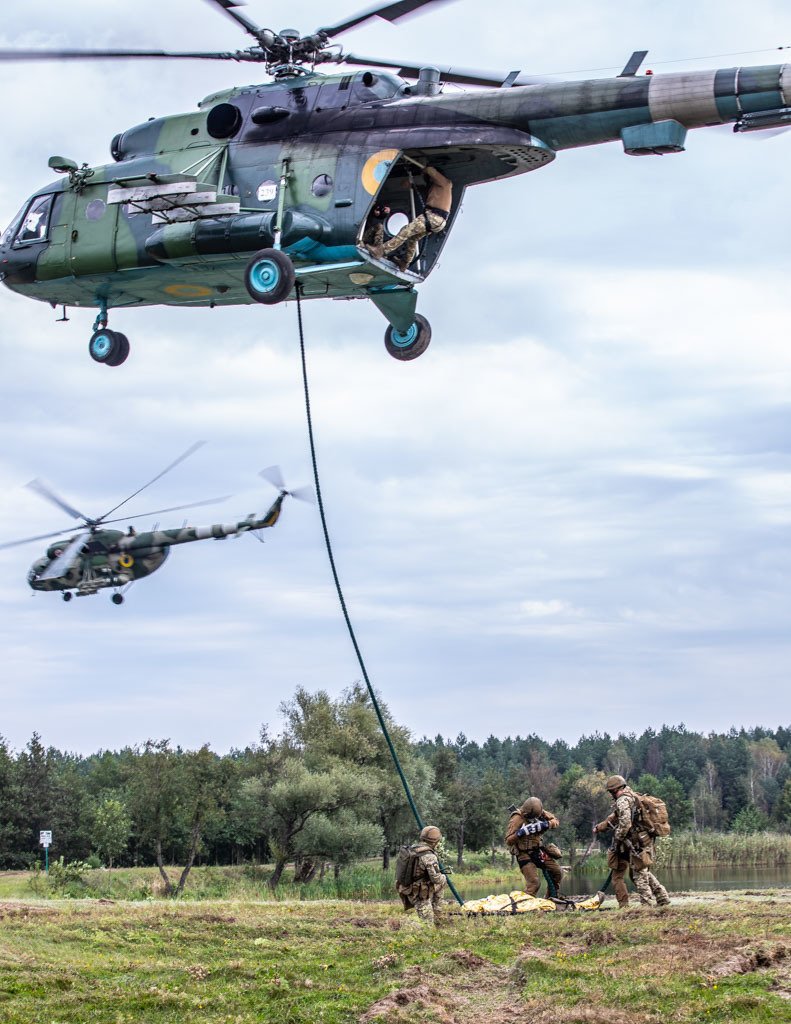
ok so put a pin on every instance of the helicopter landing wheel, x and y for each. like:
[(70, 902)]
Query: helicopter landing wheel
[(117, 598), (411, 343), (108, 347), (67, 595), (269, 276)]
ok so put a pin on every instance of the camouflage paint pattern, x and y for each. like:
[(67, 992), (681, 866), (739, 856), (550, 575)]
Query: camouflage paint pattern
[(111, 558), (341, 142)]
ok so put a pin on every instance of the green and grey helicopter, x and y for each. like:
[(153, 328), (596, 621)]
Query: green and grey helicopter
[(270, 189), (98, 558)]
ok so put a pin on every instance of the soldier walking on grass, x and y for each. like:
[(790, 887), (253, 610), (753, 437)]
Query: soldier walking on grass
[(423, 883), (523, 838), (632, 847)]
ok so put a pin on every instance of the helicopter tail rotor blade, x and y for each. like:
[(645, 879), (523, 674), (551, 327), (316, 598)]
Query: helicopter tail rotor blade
[(60, 566), (303, 494), (41, 489), (273, 476)]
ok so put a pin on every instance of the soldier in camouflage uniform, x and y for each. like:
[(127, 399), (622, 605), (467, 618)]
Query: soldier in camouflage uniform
[(632, 847), (528, 850), (425, 892), (432, 220)]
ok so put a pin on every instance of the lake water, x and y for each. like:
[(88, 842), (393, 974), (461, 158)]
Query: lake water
[(690, 880)]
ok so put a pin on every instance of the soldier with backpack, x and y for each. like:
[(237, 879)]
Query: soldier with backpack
[(419, 881), (637, 821)]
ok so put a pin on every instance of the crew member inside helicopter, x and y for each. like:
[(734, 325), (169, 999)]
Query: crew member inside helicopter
[(374, 235), (431, 220)]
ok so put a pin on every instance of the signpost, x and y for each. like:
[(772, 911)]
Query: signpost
[(45, 840)]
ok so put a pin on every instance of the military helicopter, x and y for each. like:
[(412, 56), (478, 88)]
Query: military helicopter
[(268, 189), (98, 558)]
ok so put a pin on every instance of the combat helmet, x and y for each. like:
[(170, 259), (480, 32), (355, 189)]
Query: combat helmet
[(531, 807), (431, 835), (615, 782)]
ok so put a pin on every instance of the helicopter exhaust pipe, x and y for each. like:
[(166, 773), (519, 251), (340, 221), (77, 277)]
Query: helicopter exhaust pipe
[(237, 235)]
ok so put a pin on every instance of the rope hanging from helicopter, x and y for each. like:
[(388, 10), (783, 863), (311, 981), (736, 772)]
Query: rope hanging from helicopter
[(339, 590)]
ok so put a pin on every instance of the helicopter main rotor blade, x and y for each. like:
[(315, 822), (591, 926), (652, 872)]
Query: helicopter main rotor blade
[(40, 536), (41, 489), (462, 76), (190, 451), (61, 565), (39, 55), (227, 7), (161, 511), (391, 12)]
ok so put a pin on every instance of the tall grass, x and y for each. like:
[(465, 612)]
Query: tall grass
[(707, 849)]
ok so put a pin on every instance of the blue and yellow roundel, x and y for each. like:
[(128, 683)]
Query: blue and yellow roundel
[(376, 168), (126, 561)]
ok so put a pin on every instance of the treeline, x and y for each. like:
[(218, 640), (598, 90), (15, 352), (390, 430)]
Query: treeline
[(324, 791)]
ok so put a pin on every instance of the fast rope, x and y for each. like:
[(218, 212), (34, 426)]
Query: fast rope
[(350, 628)]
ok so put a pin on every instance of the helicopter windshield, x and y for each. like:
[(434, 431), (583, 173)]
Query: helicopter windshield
[(34, 223)]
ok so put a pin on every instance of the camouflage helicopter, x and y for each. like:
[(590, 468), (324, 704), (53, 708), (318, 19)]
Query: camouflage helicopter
[(98, 558), (268, 189)]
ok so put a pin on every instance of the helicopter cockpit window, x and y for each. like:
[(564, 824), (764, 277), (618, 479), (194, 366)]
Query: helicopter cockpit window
[(35, 223)]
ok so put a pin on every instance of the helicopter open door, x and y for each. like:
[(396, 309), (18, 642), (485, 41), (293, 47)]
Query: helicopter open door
[(402, 190)]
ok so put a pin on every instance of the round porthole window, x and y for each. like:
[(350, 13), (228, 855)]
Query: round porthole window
[(223, 121), (322, 185), (395, 222)]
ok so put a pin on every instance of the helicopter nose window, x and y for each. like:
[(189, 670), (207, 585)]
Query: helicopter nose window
[(35, 222)]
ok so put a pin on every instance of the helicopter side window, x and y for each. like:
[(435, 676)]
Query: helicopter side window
[(35, 223)]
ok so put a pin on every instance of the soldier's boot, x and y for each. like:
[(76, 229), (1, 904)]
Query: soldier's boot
[(425, 911), (374, 249), (407, 257), (661, 895)]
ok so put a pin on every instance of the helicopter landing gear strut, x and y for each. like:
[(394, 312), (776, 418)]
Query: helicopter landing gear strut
[(269, 277), (412, 342)]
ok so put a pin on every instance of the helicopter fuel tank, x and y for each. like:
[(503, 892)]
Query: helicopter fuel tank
[(242, 234)]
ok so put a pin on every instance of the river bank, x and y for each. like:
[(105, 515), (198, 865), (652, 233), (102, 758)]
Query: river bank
[(708, 957)]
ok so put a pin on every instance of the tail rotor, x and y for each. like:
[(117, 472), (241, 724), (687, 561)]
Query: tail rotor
[(274, 476)]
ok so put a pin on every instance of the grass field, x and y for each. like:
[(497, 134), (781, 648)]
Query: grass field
[(704, 959)]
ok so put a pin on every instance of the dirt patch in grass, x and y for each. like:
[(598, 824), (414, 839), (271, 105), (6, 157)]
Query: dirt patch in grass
[(398, 1005), (751, 958), (585, 1015), (477, 990)]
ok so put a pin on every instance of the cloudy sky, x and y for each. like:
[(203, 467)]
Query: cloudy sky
[(571, 514)]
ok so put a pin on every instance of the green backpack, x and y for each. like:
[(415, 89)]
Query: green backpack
[(405, 866)]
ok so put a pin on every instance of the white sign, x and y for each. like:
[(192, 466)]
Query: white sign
[(267, 191), (45, 839)]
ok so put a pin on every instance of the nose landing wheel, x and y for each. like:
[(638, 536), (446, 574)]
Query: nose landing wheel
[(117, 598), (411, 343), (108, 347)]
